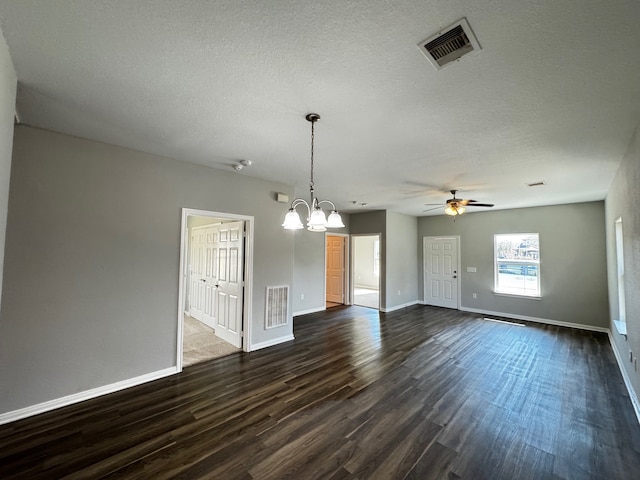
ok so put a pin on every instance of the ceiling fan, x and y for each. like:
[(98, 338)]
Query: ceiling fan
[(457, 206)]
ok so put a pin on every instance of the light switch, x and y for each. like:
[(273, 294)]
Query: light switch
[(472, 269)]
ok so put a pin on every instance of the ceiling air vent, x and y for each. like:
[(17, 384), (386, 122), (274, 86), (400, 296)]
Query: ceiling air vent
[(449, 45)]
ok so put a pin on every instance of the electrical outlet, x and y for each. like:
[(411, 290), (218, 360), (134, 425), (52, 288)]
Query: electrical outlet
[(398, 292), (475, 295), (302, 296)]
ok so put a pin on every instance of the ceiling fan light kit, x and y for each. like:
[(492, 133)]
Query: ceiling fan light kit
[(316, 219), (454, 210), (457, 206)]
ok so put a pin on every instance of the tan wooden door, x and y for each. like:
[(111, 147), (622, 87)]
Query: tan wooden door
[(335, 269)]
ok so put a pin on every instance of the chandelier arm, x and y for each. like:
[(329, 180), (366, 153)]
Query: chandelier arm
[(333, 205), (301, 201)]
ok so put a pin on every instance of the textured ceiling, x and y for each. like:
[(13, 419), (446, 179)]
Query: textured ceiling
[(553, 95)]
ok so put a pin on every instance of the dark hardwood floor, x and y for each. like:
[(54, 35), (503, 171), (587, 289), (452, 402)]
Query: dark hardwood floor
[(422, 393)]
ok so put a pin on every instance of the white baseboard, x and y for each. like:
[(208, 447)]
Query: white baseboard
[(625, 377), (271, 343), (537, 320), (398, 307), (82, 396), (311, 310)]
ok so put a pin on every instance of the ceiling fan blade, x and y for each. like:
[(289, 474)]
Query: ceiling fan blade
[(427, 204), (480, 205), (431, 209)]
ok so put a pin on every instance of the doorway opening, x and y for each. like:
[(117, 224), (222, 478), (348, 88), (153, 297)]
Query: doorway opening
[(366, 270), (621, 321), (336, 269), (215, 285)]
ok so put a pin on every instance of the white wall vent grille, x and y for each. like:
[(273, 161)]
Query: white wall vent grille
[(277, 307), (449, 45)]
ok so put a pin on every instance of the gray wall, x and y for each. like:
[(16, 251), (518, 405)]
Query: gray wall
[(309, 274), (363, 261), (92, 260), (622, 201), (7, 110), (401, 260), (573, 260)]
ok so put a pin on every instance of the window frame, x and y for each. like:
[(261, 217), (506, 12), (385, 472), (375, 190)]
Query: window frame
[(522, 262)]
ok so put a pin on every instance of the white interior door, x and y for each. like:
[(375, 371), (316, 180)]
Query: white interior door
[(208, 279), (196, 269), (203, 257), (229, 243), (441, 278)]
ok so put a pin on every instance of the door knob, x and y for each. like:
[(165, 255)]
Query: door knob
[(455, 276), (202, 280)]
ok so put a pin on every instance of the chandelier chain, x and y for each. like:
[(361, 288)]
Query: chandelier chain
[(313, 123)]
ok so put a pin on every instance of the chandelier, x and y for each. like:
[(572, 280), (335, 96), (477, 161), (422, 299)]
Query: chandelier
[(316, 219)]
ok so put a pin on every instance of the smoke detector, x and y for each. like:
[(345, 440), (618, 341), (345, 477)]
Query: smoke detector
[(241, 164), (450, 44)]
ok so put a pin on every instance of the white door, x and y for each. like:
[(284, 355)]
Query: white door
[(208, 279), (196, 270), (203, 275), (441, 271), (229, 243)]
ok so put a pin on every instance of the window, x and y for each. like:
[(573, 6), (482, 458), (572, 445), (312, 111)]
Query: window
[(517, 264)]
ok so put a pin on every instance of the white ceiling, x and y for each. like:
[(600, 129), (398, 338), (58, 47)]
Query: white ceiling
[(553, 95)]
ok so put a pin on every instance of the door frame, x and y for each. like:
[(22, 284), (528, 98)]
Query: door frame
[(346, 274), (458, 266), (247, 300)]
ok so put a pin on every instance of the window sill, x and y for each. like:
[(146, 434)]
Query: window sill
[(621, 327), (515, 295)]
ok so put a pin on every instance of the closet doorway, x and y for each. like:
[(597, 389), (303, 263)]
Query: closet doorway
[(215, 268)]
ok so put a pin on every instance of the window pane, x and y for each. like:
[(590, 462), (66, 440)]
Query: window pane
[(517, 264)]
